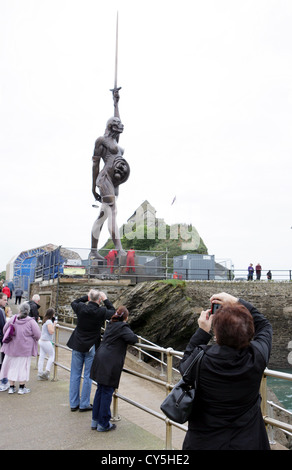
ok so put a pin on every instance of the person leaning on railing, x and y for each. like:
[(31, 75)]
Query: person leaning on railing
[(227, 413), (84, 340), (107, 367)]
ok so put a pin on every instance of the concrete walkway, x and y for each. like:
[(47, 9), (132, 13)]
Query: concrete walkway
[(42, 420)]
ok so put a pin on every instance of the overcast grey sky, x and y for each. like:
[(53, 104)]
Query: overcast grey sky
[(206, 104)]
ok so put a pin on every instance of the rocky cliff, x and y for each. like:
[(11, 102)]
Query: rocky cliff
[(161, 312)]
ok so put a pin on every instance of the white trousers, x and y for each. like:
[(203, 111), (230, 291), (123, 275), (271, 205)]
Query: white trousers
[(46, 349)]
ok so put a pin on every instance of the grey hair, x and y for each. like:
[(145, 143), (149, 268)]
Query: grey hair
[(94, 295), (24, 310), (36, 298)]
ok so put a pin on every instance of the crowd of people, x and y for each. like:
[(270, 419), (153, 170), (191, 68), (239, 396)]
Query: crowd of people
[(89, 354), (258, 271), (227, 408), (19, 346)]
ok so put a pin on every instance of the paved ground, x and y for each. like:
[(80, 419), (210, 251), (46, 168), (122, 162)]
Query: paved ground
[(43, 420)]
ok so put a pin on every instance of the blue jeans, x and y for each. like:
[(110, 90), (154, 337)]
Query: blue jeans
[(78, 360), (101, 411), (4, 380)]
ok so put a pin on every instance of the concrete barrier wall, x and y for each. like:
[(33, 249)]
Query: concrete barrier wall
[(60, 294)]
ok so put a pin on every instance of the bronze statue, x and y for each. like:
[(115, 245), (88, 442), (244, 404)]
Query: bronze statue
[(114, 172)]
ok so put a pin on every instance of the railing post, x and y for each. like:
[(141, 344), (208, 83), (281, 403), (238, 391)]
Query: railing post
[(168, 430), (169, 369), (56, 353), (168, 435), (139, 350), (271, 428), (166, 264), (263, 392), (161, 365), (115, 414)]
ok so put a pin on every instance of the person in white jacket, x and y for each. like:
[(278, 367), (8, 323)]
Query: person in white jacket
[(46, 344)]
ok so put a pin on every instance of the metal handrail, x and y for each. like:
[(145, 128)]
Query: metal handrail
[(170, 353), (267, 406), (273, 406), (164, 271)]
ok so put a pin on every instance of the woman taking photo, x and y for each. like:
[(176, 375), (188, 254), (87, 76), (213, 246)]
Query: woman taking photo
[(227, 413), (107, 367), (18, 352)]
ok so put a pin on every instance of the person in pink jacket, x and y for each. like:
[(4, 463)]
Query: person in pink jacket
[(18, 352)]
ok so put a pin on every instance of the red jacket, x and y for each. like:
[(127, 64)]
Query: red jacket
[(6, 291)]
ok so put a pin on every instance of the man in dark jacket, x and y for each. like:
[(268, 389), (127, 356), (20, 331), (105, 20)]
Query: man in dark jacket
[(34, 304), (18, 295), (83, 342), (227, 413)]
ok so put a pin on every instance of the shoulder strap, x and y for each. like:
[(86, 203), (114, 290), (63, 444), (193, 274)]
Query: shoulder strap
[(198, 359), (198, 368)]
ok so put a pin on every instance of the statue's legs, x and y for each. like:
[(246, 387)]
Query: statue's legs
[(107, 211), (113, 229), (95, 232)]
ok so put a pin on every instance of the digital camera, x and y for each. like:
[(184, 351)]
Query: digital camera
[(214, 308)]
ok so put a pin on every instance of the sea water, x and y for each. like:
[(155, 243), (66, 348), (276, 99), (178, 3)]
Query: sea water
[(282, 389)]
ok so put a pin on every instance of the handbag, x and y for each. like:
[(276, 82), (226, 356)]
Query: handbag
[(10, 332), (178, 404)]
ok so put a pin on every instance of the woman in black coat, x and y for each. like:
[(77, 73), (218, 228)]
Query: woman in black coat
[(227, 413), (107, 367)]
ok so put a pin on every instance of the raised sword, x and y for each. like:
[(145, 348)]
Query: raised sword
[(116, 89)]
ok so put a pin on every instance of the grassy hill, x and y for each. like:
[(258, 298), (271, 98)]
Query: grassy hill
[(178, 241)]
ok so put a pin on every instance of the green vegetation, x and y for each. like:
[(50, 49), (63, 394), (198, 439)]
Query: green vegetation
[(174, 282), (149, 239)]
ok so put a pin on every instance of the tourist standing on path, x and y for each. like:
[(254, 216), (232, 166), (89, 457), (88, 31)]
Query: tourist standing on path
[(250, 271), (11, 287), (18, 352), (84, 340), (46, 346), (227, 414), (6, 291), (18, 295), (34, 304), (258, 271), (107, 367), (4, 385)]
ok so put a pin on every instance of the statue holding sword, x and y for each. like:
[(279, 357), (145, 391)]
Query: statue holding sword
[(115, 171)]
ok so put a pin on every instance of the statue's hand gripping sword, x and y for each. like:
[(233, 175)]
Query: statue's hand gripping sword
[(116, 89)]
